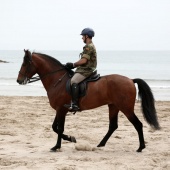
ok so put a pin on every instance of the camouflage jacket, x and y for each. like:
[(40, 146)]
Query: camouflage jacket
[(89, 52)]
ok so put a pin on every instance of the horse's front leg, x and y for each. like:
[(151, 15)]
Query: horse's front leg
[(58, 127), (64, 137)]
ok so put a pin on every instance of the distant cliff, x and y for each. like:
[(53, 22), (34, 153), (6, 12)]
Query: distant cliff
[(1, 61)]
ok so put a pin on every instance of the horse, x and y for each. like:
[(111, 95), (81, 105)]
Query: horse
[(116, 91)]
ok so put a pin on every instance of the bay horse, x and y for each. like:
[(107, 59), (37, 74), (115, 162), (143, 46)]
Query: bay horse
[(116, 91)]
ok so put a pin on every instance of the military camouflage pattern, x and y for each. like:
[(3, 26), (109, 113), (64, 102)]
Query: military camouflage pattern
[(89, 52)]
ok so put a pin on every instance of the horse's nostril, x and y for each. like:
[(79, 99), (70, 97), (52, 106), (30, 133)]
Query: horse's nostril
[(18, 81)]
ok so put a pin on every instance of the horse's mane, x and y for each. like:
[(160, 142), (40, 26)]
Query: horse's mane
[(49, 57), (71, 72)]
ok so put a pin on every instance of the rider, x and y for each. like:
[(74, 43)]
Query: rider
[(85, 66)]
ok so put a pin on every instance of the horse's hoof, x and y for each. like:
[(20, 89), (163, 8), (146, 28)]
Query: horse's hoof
[(51, 150), (100, 145), (73, 139), (140, 149), (54, 149)]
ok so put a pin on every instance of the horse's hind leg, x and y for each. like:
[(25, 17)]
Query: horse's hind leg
[(113, 125), (139, 127)]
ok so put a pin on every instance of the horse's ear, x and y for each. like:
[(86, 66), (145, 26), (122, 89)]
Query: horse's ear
[(25, 50)]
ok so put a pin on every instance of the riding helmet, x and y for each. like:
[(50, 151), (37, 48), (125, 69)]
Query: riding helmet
[(88, 31)]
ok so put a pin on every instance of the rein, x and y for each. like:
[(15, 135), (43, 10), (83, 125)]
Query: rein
[(37, 78)]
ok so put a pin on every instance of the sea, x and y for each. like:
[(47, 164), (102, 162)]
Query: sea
[(151, 66)]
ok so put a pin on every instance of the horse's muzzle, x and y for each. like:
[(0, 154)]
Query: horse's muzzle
[(23, 82)]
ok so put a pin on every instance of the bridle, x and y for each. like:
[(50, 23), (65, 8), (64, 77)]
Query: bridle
[(37, 78)]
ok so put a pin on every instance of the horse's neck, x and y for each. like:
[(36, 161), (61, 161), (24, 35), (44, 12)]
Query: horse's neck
[(49, 72)]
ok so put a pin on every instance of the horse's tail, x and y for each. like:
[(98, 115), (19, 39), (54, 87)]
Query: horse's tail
[(147, 103)]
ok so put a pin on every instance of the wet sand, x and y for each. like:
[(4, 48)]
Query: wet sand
[(26, 137)]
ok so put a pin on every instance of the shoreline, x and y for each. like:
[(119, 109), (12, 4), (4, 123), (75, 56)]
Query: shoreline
[(9, 87), (45, 96), (160, 94)]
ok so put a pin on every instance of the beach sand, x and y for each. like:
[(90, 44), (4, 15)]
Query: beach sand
[(26, 137)]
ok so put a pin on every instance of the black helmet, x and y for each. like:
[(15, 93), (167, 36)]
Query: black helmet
[(88, 31)]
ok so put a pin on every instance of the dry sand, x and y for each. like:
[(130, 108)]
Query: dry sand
[(26, 137)]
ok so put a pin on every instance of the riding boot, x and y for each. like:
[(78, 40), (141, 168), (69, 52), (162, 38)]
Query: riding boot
[(75, 96)]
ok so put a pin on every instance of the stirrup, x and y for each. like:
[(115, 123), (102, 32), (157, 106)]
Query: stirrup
[(72, 107), (67, 106)]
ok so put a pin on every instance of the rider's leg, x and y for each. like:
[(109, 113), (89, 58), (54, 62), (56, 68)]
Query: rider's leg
[(77, 78)]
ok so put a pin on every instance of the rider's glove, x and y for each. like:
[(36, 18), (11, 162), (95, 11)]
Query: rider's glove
[(70, 65)]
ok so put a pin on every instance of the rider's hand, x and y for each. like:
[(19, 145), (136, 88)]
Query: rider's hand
[(70, 65)]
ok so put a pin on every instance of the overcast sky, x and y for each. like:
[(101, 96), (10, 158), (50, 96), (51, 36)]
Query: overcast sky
[(57, 24)]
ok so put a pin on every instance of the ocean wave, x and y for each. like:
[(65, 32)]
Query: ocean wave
[(149, 80), (8, 78), (41, 85), (16, 84), (161, 87), (156, 80)]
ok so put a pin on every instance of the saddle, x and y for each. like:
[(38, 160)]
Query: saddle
[(83, 85)]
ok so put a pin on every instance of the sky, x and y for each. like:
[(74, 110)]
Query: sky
[(57, 24)]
